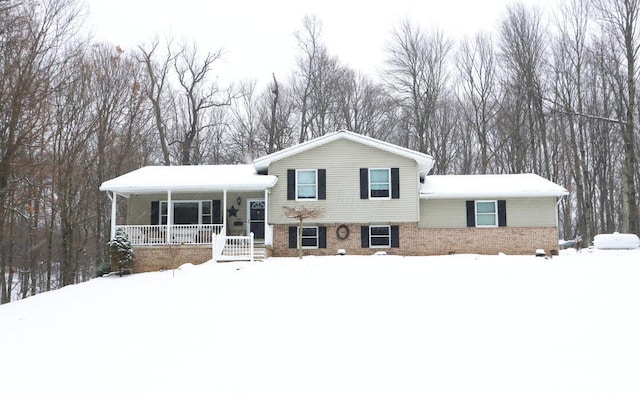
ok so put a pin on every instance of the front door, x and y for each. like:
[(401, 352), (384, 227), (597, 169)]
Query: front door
[(255, 223)]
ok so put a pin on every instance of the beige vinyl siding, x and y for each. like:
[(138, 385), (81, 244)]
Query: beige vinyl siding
[(443, 213), (521, 212), (342, 160), (532, 212), (139, 206)]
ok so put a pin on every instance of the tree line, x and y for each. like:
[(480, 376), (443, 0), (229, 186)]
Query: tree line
[(553, 94)]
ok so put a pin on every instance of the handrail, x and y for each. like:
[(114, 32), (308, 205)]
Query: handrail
[(146, 235)]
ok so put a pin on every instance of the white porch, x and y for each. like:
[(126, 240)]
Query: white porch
[(148, 235), (183, 207)]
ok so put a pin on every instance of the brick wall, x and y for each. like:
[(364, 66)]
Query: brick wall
[(413, 241), (153, 258), (490, 241), (417, 241)]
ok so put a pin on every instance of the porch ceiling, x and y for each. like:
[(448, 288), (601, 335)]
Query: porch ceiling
[(210, 178)]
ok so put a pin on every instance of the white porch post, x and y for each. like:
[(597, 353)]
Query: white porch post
[(266, 217), (113, 214), (169, 217), (224, 212)]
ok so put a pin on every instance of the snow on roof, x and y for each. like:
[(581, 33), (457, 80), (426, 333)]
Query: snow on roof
[(488, 186), (425, 162), (151, 179)]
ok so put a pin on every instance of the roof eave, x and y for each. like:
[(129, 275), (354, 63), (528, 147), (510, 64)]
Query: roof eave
[(128, 190), (434, 196)]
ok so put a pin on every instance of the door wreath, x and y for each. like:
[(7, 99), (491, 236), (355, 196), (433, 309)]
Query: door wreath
[(342, 232)]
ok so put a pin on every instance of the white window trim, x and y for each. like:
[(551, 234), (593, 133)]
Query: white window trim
[(495, 205), (388, 169), (173, 202), (371, 235), (300, 238), (316, 184)]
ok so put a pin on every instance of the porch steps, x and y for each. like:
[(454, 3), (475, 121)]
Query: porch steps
[(260, 252)]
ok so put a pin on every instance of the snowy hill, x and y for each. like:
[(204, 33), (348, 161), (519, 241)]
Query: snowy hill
[(338, 325)]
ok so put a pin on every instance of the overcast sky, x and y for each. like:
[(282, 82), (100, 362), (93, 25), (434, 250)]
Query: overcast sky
[(257, 35)]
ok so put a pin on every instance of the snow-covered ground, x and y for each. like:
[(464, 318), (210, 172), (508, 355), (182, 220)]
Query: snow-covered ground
[(462, 324)]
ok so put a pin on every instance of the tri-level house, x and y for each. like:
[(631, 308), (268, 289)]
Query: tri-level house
[(371, 195)]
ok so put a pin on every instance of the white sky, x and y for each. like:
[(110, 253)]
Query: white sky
[(257, 35)]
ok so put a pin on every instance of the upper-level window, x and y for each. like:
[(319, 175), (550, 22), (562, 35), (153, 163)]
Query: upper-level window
[(486, 213), (306, 184), (379, 183)]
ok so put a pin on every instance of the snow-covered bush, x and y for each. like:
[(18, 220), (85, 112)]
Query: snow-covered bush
[(121, 252)]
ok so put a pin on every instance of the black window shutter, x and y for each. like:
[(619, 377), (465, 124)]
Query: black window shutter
[(322, 237), (293, 237), (291, 184), (364, 183), (216, 212), (155, 213), (471, 214), (395, 236), (395, 183), (502, 213), (364, 236), (322, 184)]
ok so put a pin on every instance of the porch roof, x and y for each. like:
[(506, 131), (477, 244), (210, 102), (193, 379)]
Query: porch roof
[(488, 186), (155, 179)]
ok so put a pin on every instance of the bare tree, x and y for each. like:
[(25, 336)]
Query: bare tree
[(32, 37), (477, 67), (200, 95), (416, 74), (523, 53), (364, 106), (620, 18), (276, 112), (570, 53), (311, 49), (157, 88)]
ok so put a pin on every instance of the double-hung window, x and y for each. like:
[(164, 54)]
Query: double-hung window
[(486, 213), (187, 212), (380, 183), (306, 184), (380, 236), (309, 237)]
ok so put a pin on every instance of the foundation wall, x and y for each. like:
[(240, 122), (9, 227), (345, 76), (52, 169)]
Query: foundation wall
[(154, 258), (416, 241)]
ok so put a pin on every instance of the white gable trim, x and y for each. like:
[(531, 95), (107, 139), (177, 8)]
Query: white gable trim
[(424, 161)]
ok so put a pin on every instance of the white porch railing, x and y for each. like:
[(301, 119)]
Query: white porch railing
[(233, 248), (180, 234)]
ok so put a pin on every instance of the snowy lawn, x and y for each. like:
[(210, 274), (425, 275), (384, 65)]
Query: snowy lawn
[(462, 324)]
